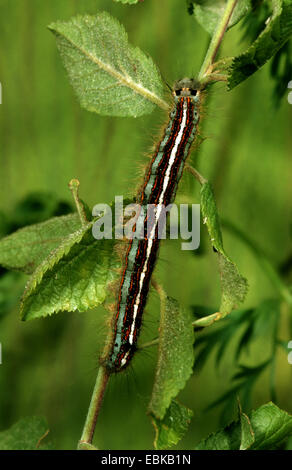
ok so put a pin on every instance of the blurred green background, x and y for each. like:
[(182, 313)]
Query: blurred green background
[(49, 365)]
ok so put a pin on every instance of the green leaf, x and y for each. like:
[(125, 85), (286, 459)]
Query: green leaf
[(26, 248), (233, 284), (173, 426), (277, 31), (175, 356), (270, 425), (109, 75), (210, 216), (27, 434), (209, 12), (73, 277)]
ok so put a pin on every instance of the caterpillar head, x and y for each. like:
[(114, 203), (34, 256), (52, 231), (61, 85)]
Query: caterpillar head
[(186, 87)]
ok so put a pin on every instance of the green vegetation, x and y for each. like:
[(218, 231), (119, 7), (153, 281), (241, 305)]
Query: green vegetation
[(238, 361)]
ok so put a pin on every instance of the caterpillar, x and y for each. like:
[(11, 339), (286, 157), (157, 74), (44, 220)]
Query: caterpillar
[(159, 189)]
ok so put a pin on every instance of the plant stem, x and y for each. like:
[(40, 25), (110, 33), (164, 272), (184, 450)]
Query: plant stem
[(74, 188), (216, 40), (86, 446), (196, 174), (154, 342), (94, 407), (208, 320), (159, 289)]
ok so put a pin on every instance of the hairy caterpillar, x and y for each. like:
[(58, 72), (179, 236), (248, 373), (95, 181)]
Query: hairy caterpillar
[(159, 189)]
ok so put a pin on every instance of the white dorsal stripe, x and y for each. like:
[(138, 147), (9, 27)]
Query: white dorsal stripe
[(157, 216)]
